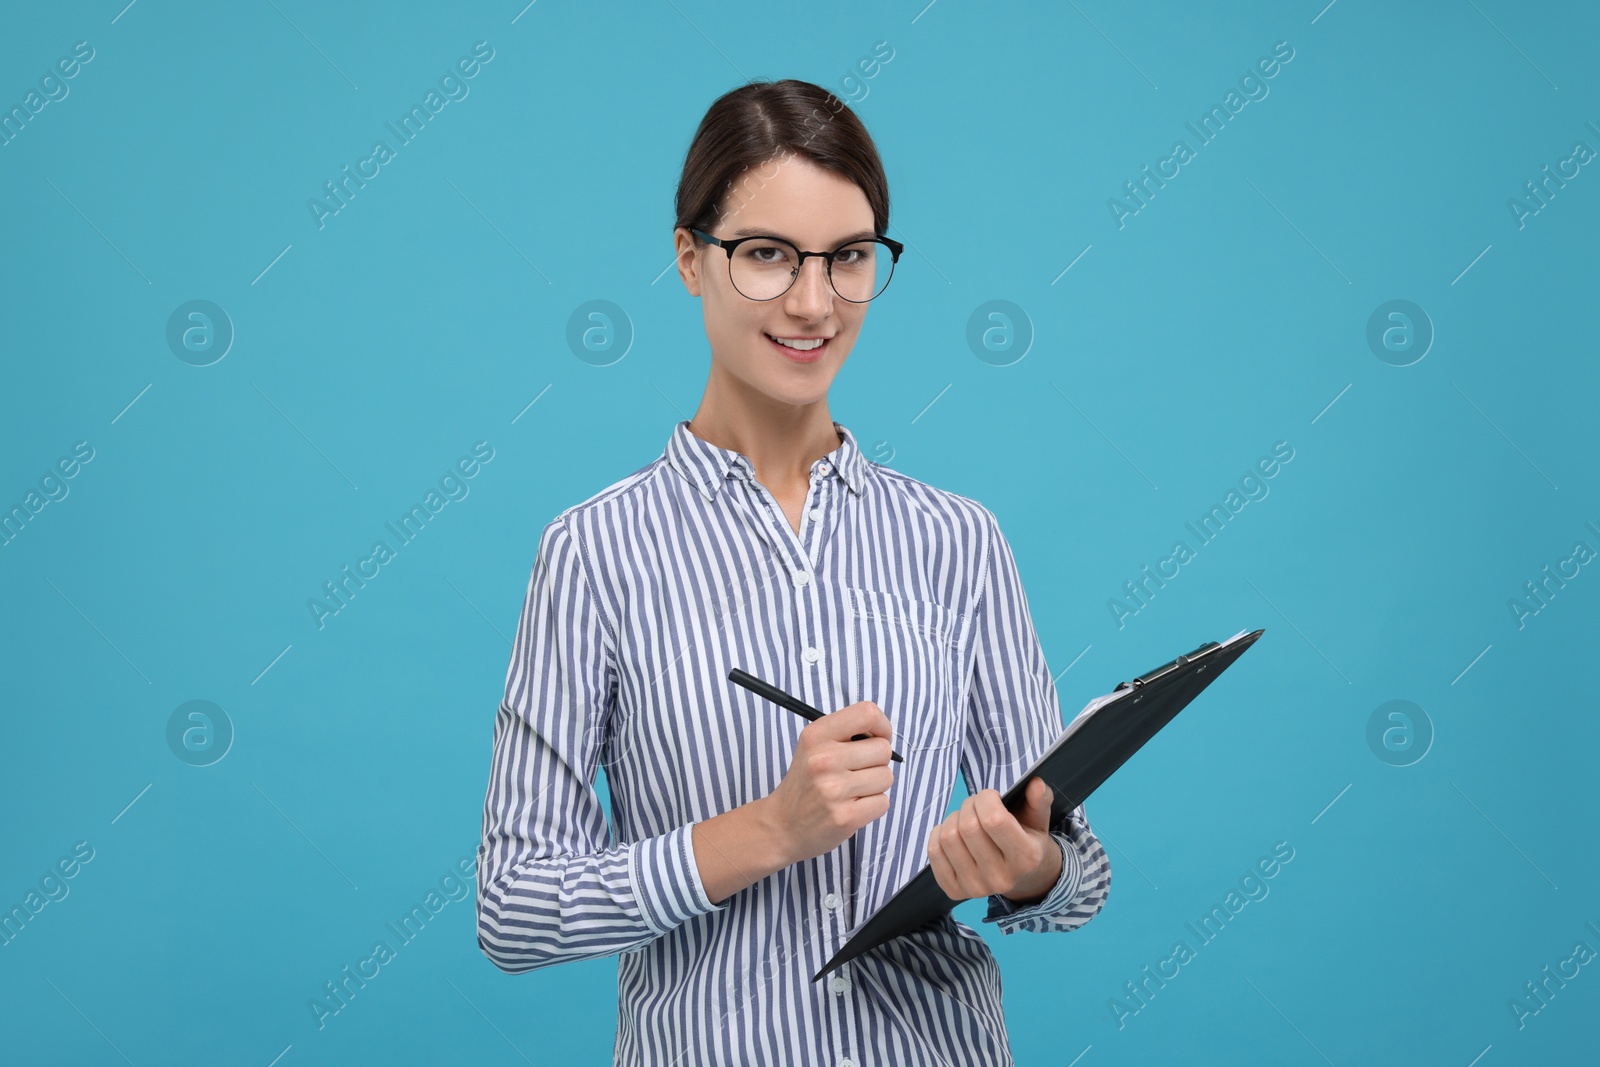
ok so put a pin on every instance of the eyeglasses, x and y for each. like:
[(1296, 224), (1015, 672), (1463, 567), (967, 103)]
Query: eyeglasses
[(764, 268)]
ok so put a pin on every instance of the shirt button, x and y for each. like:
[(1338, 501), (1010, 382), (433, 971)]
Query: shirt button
[(816, 513), (811, 655), (801, 578), (830, 901), (839, 985), (847, 1062)]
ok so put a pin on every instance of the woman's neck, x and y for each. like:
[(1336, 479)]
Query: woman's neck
[(780, 441)]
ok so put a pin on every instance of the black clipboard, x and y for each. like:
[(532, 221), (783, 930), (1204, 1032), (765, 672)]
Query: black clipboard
[(1102, 737)]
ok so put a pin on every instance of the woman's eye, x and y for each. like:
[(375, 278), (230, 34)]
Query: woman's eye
[(765, 255)]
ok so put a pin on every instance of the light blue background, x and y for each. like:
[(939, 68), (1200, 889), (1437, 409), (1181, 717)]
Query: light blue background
[(1229, 314)]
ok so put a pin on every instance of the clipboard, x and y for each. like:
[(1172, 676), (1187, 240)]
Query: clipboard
[(1109, 730)]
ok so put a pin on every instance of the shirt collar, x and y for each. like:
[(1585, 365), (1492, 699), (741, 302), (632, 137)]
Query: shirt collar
[(708, 466)]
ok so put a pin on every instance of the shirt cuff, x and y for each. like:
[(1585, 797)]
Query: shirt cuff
[(666, 880), (1013, 917)]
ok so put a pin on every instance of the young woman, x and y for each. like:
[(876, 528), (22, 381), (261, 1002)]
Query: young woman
[(745, 843)]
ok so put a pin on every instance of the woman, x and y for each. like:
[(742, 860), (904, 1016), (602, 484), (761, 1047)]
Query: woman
[(748, 843)]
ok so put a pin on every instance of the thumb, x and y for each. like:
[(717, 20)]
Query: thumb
[(1037, 814)]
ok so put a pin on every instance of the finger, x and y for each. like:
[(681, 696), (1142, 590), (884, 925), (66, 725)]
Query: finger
[(1004, 830), (941, 867), (961, 861), (870, 808), (862, 717), (868, 752), (992, 863), (1041, 803), (869, 781)]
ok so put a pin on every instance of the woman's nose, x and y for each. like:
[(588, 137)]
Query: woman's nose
[(812, 292)]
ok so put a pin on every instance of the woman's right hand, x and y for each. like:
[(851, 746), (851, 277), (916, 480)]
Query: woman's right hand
[(834, 786)]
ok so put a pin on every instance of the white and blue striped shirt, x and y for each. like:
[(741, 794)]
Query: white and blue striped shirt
[(641, 598)]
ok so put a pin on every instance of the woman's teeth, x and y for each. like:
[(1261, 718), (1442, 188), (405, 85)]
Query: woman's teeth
[(799, 346)]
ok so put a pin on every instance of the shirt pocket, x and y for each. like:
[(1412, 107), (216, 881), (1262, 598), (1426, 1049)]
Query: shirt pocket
[(904, 656)]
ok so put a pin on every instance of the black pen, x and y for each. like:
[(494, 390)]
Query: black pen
[(782, 699)]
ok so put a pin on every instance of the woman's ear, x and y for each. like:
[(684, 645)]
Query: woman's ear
[(688, 259)]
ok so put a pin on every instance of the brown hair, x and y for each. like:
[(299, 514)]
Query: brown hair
[(749, 128)]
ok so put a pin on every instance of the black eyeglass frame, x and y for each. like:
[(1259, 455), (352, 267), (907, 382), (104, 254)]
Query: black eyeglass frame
[(895, 248)]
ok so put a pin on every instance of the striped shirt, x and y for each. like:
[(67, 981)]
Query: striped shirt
[(641, 599)]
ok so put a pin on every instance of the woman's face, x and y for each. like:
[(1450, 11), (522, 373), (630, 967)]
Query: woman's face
[(817, 211)]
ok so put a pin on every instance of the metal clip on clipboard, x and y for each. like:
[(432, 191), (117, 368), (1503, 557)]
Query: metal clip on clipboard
[(1150, 676)]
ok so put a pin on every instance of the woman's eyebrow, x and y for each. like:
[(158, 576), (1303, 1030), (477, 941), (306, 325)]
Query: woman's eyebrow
[(859, 235)]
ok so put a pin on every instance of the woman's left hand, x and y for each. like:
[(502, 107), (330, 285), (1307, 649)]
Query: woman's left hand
[(982, 849)]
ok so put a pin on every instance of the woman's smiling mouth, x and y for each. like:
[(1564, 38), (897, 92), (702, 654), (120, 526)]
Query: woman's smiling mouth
[(800, 349)]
